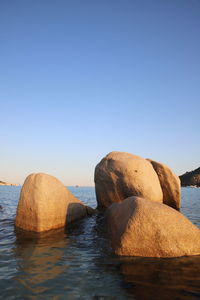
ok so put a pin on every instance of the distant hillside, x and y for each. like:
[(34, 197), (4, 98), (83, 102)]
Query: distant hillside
[(191, 178)]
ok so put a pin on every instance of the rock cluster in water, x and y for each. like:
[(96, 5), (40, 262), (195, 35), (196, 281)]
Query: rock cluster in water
[(140, 198)]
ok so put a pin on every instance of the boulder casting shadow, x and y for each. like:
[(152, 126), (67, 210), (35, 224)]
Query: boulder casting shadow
[(120, 175), (46, 204)]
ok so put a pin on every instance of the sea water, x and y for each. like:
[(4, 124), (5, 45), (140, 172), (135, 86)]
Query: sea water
[(77, 263)]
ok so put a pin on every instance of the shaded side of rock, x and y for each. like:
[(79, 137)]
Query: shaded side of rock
[(139, 227), (120, 175), (170, 184)]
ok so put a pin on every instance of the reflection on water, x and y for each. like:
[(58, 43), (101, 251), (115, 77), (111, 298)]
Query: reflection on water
[(39, 257), (66, 263), (77, 263), (177, 278)]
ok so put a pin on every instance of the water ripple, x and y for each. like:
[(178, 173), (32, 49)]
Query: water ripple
[(77, 263)]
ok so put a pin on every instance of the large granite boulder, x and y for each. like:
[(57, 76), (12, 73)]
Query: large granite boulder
[(170, 184), (139, 227), (45, 203), (120, 175)]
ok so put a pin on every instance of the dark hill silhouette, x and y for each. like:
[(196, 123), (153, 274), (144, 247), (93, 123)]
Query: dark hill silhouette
[(191, 178)]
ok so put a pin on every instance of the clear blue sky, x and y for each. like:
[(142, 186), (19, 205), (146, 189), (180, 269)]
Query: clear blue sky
[(79, 79)]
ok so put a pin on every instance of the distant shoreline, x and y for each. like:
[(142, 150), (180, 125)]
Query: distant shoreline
[(7, 183)]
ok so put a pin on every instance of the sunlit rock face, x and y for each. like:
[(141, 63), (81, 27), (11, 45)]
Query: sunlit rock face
[(45, 203), (170, 184), (140, 227), (120, 175)]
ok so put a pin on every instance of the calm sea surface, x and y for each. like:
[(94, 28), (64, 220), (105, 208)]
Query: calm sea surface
[(76, 263)]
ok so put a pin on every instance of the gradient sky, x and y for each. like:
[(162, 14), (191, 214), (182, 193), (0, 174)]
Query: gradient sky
[(79, 79)]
